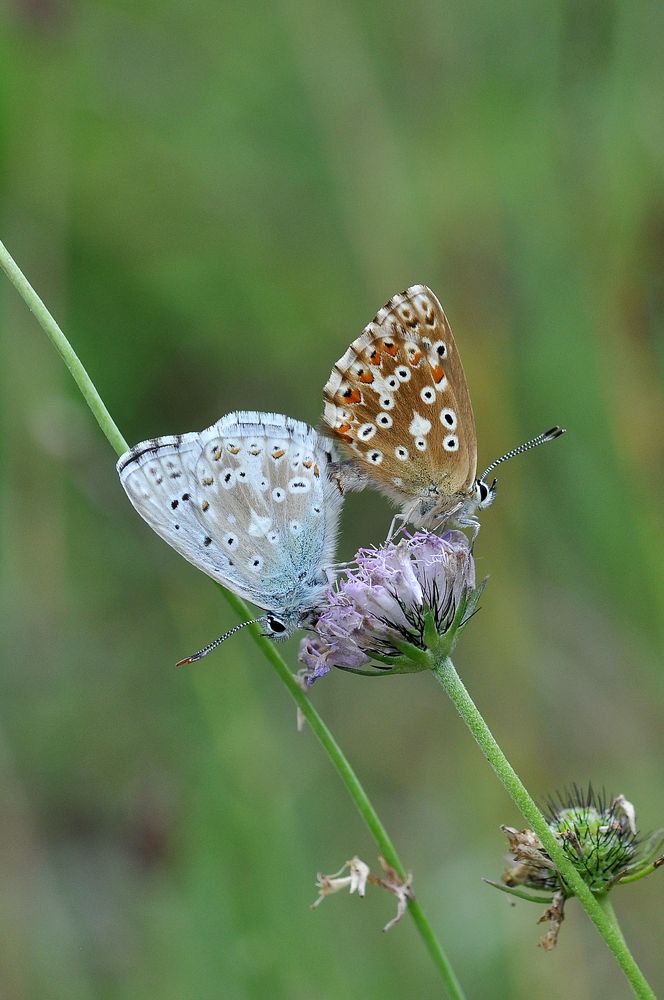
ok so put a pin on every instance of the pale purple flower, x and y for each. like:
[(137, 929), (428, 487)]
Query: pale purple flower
[(393, 596)]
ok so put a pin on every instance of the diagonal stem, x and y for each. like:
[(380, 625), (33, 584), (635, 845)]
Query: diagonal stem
[(599, 912), (325, 737), (64, 349)]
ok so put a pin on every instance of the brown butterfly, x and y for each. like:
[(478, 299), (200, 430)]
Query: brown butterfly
[(399, 402)]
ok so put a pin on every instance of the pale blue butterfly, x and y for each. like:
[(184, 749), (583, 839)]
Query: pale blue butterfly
[(251, 502)]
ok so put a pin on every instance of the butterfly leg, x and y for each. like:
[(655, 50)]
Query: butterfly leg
[(463, 521), (399, 522)]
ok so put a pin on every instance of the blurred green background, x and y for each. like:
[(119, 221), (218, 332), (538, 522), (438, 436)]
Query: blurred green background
[(214, 199)]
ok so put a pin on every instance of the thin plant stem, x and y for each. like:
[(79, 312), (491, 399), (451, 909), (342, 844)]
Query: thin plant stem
[(599, 911), (323, 734), (604, 901), (354, 788), (64, 349)]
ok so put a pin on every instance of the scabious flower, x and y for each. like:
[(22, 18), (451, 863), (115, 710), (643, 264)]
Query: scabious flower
[(600, 839), (397, 601)]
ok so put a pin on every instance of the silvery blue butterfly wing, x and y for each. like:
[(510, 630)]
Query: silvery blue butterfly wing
[(250, 502)]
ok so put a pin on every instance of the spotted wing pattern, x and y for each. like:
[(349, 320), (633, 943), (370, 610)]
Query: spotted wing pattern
[(399, 402), (249, 501)]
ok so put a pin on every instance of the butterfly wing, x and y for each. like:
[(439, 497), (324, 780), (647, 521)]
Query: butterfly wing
[(248, 501), (399, 402)]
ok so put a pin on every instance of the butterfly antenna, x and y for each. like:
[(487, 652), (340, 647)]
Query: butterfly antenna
[(217, 642), (549, 435)]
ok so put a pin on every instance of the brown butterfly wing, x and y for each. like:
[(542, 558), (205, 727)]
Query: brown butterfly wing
[(398, 401)]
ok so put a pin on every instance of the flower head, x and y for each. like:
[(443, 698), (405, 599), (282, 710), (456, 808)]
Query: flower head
[(397, 600), (599, 837)]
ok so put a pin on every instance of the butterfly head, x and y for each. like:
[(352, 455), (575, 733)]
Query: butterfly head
[(281, 624), (439, 509), (481, 494)]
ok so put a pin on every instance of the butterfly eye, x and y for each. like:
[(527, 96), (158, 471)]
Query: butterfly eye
[(277, 627)]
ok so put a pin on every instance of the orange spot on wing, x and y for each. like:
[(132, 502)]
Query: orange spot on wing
[(390, 348), (316, 471), (438, 373), (343, 428), (375, 358), (279, 453), (307, 464), (416, 358), (234, 450), (366, 377), (205, 505), (216, 453), (353, 395)]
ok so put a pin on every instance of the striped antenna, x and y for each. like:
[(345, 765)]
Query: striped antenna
[(549, 435), (217, 642)]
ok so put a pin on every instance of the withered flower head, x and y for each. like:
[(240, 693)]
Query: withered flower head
[(599, 837)]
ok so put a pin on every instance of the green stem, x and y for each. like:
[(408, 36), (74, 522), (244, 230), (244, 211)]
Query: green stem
[(606, 905), (327, 741), (354, 788), (64, 349), (597, 910)]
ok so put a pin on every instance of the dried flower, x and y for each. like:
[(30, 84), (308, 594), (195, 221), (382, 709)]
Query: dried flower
[(399, 600), (600, 839), (359, 876), (355, 881), (399, 887)]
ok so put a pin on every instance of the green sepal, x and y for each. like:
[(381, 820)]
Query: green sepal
[(473, 602), (420, 657), (519, 893), (364, 673), (653, 846), (649, 861), (410, 662), (430, 633)]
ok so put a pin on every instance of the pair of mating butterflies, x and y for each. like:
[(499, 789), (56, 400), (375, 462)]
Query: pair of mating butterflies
[(254, 501)]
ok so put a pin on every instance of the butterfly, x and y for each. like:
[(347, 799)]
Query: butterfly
[(251, 502), (399, 403)]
